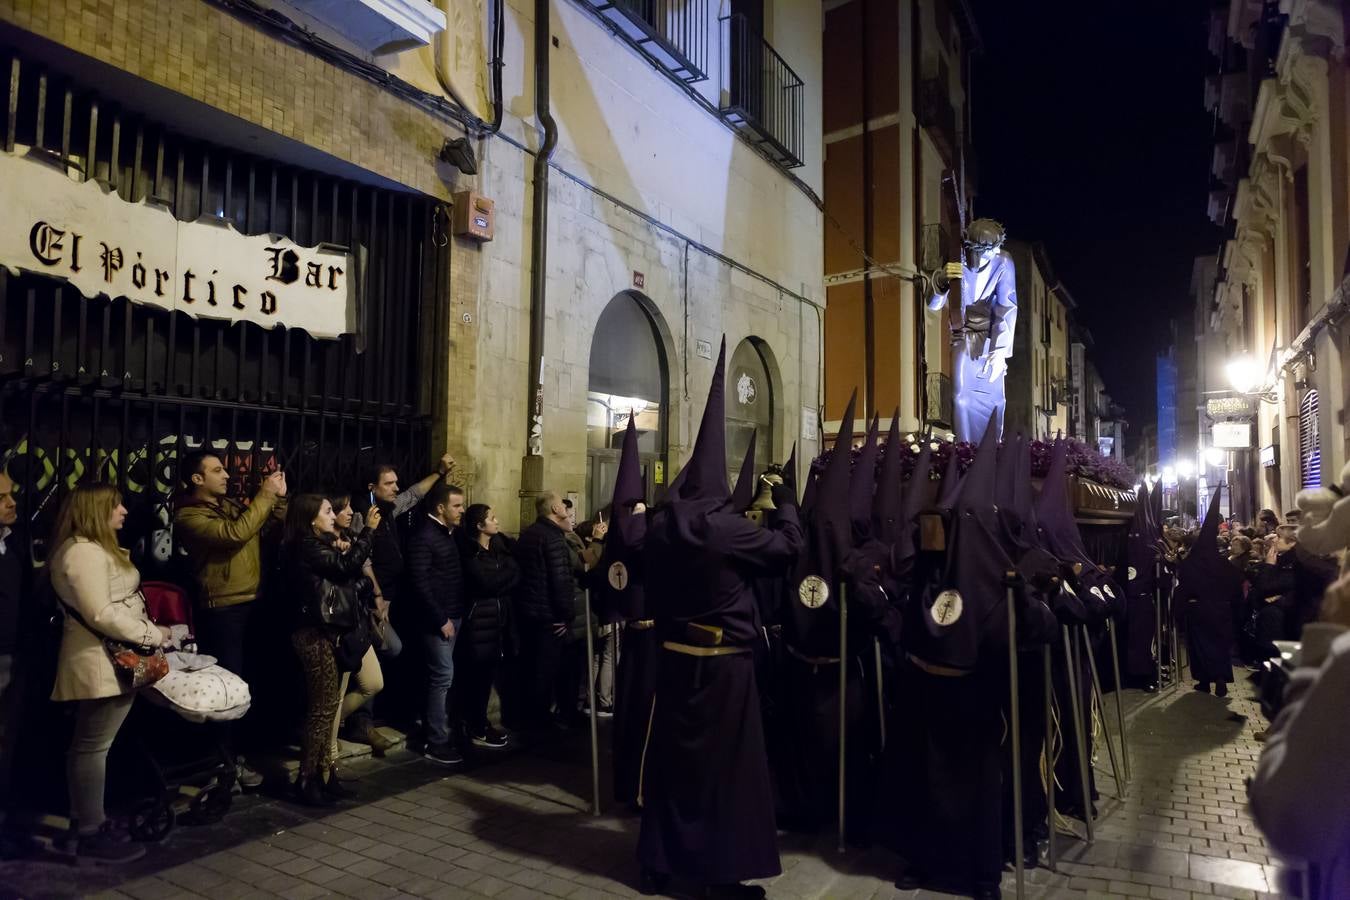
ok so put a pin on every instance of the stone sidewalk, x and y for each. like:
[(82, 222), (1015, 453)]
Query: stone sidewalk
[(520, 828)]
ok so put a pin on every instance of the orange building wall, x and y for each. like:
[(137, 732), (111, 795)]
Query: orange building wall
[(845, 332)]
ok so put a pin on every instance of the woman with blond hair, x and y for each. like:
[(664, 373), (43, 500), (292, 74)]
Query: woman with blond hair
[(100, 591)]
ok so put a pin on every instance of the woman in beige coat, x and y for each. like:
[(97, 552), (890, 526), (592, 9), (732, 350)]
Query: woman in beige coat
[(95, 579)]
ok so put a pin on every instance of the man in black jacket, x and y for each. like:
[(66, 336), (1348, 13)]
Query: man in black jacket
[(435, 585), (545, 605)]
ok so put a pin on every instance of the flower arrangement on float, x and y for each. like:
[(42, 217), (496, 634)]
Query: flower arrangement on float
[(1084, 461)]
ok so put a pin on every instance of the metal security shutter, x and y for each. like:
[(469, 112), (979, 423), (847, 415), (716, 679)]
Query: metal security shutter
[(105, 390), (1309, 445)]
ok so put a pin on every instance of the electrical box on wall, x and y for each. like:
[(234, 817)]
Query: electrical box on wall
[(473, 216)]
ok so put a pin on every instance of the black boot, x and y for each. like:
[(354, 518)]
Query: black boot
[(333, 787), (1202, 687), (309, 791), (652, 883), (1221, 689)]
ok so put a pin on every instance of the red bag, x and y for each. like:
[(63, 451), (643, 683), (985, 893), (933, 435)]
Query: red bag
[(137, 668)]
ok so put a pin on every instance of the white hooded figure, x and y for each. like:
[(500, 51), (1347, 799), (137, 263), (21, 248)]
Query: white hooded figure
[(1324, 520)]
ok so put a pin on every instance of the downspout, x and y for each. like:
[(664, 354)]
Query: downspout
[(916, 185), (440, 58), (532, 471), (869, 302)]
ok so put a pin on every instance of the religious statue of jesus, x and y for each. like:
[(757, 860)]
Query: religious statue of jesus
[(983, 326)]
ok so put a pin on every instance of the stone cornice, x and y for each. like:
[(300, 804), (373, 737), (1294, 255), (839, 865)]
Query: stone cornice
[(1284, 105), (1317, 26)]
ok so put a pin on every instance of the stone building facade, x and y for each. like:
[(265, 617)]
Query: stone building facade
[(665, 209), (1280, 88)]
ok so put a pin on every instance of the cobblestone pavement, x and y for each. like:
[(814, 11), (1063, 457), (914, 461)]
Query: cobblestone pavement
[(520, 828)]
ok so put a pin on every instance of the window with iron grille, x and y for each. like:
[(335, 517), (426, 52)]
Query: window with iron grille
[(106, 390), (1309, 442)]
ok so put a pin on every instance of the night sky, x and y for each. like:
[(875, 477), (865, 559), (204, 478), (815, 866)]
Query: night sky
[(1091, 135)]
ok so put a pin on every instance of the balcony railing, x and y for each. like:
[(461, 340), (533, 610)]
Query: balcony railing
[(764, 99), (940, 397), (938, 115), (671, 33)]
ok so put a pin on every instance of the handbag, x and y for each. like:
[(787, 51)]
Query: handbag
[(136, 667), (350, 647)]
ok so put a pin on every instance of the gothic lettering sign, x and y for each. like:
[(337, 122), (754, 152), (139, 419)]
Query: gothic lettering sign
[(101, 244), (1216, 407)]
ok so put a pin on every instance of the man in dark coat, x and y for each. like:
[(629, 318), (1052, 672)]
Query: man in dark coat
[(707, 803), (436, 589), (545, 609)]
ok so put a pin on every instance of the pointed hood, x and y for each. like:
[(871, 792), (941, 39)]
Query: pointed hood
[(628, 486), (618, 581), (790, 470), (916, 488), (862, 485), (704, 476), (911, 502), (809, 492), (1138, 572), (964, 619), (1006, 479), (978, 487), (1204, 574), (830, 531), (886, 506), (950, 488), (744, 492), (1059, 531)]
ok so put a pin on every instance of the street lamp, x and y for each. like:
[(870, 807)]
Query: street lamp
[(1214, 456), (1244, 374), (1185, 468)]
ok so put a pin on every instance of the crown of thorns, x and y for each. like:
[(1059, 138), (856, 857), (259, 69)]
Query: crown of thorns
[(985, 234)]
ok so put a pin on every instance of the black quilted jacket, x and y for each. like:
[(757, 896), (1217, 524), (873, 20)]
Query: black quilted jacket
[(546, 592)]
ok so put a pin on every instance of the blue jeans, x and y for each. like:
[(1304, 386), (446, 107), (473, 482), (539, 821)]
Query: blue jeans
[(441, 668)]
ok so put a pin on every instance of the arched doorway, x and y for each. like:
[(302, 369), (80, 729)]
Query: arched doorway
[(749, 406), (628, 376)]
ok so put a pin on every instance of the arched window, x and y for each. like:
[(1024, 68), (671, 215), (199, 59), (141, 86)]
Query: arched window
[(750, 403), (1309, 442), (627, 376)]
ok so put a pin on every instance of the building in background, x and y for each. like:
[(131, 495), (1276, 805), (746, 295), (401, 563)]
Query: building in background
[(1038, 382), (550, 213), (897, 156), (1280, 188)]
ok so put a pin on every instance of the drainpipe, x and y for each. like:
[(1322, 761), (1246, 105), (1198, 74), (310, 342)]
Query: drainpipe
[(869, 302), (441, 59), (532, 468)]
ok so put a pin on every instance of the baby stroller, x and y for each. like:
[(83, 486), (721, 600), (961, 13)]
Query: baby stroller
[(193, 772)]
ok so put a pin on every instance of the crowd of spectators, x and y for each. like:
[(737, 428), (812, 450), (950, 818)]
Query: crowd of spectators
[(378, 586)]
